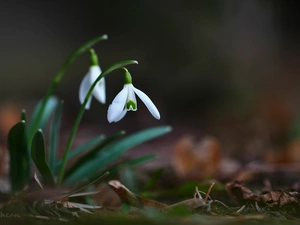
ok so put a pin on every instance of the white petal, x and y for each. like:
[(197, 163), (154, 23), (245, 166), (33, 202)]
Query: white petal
[(99, 90), (147, 101), (116, 108), (121, 116), (84, 89)]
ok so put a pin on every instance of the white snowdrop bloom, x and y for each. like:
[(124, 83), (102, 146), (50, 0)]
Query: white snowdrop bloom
[(99, 90), (126, 101)]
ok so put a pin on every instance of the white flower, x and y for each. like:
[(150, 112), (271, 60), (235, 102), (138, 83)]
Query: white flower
[(126, 101), (88, 80)]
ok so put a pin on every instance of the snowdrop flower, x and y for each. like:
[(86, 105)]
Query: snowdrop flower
[(126, 101), (88, 80)]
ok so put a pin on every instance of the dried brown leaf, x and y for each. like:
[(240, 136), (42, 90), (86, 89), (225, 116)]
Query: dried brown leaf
[(279, 198), (196, 161), (133, 199), (240, 193)]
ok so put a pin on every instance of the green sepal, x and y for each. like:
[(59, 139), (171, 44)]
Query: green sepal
[(38, 155), (93, 58), (127, 77), (19, 167)]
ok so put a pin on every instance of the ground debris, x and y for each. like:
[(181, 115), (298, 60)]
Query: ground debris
[(270, 199)]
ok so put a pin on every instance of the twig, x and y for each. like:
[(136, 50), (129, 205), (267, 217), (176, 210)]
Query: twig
[(209, 190)]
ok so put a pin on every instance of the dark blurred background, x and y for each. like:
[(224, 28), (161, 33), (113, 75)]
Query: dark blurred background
[(205, 64)]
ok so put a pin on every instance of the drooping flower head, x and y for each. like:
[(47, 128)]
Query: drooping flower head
[(126, 101), (92, 74)]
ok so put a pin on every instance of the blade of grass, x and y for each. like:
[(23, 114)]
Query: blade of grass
[(114, 151), (54, 135), (82, 49), (110, 69), (38, 154), (19, 168)]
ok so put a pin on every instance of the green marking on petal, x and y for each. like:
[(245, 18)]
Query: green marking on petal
[(131, 105)]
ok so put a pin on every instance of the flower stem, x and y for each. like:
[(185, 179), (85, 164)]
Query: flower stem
[(82, 49)]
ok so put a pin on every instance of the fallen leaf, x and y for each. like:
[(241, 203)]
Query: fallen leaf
[(196, 161), (133, 199), (240, 193), (279, 198), (142, 203)]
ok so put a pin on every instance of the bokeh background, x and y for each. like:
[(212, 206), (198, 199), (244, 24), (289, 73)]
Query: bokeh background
[(226, 68)]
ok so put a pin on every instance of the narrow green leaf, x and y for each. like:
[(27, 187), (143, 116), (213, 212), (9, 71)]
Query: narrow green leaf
[(23, 115), (50, 107), (117, 65), (127, 176), (79, 51), (132, 162), (114, 151), (140, 160), (153, 179), (38, 154), (81, 149), (54, 136), (19, 167), (103, 175), (110, 69), (92, 153)]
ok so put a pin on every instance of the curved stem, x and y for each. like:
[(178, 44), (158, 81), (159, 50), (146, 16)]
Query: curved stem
[(82, 49)]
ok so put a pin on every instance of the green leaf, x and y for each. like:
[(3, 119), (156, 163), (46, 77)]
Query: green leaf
[(114, 151), (140, 160), (92, 153), (153, 179), (132, 162), (50, 106), (19, 168), (38, 154), (54, 136), (99, 177), (79, 51), (117, 65), (81, 149)]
